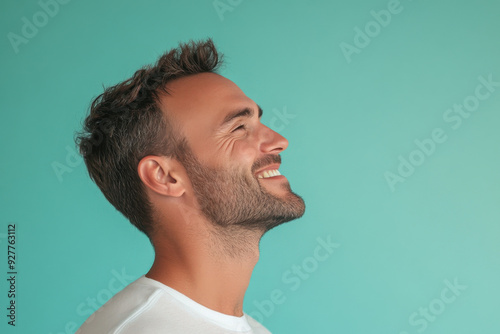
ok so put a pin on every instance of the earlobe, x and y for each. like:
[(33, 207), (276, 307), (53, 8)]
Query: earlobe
[(160, 174)]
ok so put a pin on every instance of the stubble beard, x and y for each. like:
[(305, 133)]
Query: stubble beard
[(235, 202)]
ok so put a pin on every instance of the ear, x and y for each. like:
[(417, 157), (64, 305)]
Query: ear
[(162, 175)]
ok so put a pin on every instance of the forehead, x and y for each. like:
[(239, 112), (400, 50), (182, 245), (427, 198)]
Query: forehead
[(198, 103)]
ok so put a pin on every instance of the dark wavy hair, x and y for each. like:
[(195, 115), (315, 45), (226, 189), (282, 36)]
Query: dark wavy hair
[(125, 124)]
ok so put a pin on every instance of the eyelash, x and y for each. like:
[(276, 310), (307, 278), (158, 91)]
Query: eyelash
[(242, 126)]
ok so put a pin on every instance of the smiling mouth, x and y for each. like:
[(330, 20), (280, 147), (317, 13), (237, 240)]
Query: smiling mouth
[(268, 173)]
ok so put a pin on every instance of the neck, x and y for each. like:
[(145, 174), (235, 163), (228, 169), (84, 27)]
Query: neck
[(212, 268)]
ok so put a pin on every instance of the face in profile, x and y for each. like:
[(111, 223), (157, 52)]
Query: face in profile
[(231, 158)]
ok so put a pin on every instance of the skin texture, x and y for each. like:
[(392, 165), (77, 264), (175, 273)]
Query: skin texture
[(211, 209)]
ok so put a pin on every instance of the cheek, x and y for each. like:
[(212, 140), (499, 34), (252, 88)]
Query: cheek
[(238, 152), (244, 153)]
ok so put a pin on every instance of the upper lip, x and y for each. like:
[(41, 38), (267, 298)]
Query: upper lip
[(269, 167)]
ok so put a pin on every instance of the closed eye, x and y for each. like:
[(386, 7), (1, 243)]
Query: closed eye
[(242, 126)]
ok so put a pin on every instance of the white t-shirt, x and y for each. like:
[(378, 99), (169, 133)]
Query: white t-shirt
[(147, 306)]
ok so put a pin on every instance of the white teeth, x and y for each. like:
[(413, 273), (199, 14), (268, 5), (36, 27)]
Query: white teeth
[(268, 173)]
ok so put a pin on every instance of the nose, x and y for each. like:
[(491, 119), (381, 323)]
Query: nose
[(272, 142)]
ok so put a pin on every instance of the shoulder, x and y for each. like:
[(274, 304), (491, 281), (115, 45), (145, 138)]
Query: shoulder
[(122, 308)]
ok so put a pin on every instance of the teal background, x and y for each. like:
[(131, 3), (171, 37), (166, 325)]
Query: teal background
[(351, 121)]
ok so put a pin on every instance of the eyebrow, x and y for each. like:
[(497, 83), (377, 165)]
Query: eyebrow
[(246, 112)]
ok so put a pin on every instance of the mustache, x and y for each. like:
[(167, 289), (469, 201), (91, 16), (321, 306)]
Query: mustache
[(267, 160)]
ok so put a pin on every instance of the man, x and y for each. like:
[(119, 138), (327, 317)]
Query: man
[(181, 152)]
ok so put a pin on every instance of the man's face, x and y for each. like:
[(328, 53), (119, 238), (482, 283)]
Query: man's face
[(231, 158)]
